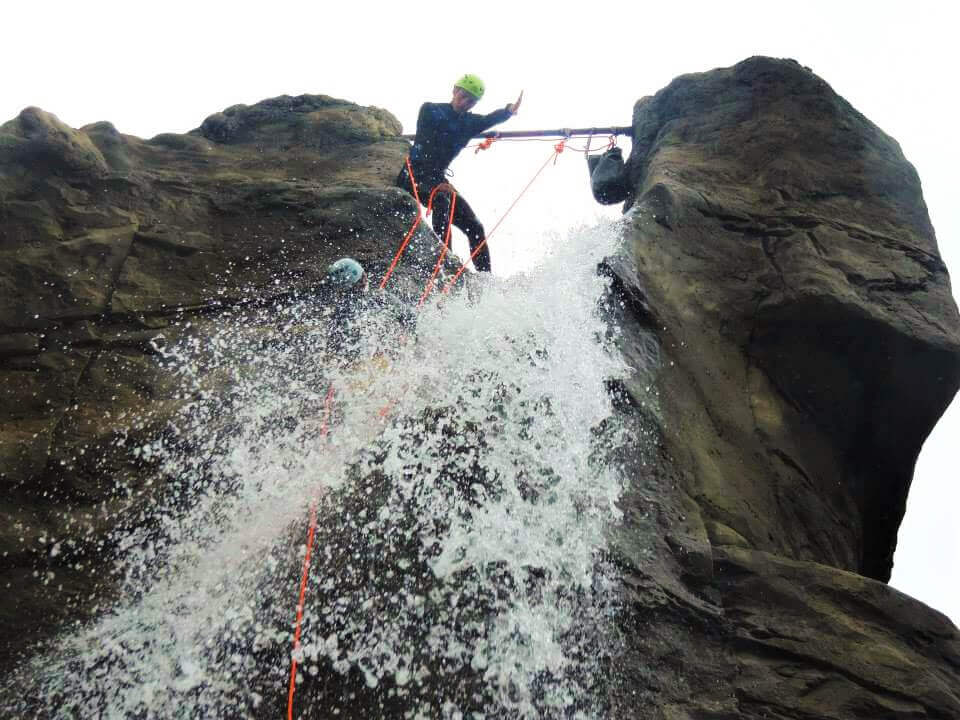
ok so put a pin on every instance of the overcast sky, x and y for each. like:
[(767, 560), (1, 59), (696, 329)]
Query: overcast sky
[(162, 67)]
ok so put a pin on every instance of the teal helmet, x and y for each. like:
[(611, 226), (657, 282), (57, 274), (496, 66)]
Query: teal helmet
[(345, 273)]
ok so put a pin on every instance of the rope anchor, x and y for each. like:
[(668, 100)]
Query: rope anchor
[(485, 145)]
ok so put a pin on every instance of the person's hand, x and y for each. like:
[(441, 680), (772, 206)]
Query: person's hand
[(445, 187), (513, 107)]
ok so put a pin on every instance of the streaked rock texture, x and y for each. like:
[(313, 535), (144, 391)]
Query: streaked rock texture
[(781, 293), (111, 247), (783, 258)]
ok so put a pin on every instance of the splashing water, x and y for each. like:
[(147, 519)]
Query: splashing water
[(464, 496)]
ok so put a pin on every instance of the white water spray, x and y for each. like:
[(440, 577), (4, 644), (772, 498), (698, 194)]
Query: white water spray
[(466, 578)]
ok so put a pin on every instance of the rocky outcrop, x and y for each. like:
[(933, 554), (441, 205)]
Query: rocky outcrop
[(112, 246), (781, 258), (780, 290)]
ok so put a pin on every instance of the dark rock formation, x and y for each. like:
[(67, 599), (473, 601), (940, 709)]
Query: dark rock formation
[(110, 244), (780, 268), (783, 258)]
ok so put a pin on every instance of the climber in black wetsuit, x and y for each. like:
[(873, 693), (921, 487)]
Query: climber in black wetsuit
[(443, 130), (351, 310)]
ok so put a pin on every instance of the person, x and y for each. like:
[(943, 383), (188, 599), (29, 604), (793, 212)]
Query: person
[(347, 276), (353, 311), (443, 130)]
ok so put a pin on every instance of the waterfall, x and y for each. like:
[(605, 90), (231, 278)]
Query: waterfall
[(464, 490)]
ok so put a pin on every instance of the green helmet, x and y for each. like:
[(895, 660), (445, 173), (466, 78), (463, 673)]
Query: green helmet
[(472, 84), (345, 273)]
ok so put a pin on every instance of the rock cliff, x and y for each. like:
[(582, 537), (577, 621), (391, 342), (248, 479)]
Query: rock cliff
[(807, 341), (112, 247), (780, 289)]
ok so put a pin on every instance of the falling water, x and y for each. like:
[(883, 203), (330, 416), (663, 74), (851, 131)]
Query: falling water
[(463, 489)]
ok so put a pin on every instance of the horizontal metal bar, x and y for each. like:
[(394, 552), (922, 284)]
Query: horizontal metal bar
[(562, 132)]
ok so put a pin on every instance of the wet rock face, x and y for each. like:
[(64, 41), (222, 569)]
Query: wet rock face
[(784, 241), (782, 294), (112, 247), (782, 256)]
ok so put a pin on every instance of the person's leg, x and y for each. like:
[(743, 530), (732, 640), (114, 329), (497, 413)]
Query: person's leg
[(403, 181), (466, 220), (425, 185), (441, 213)]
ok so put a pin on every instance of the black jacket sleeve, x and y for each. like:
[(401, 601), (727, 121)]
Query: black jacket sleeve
[(479, 123), (423, 119)]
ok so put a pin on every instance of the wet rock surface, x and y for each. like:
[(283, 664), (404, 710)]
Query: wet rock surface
[(781, 298), (113, 248), (783, 259)]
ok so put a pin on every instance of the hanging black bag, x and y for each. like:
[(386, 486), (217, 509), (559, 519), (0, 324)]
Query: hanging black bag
[(608, 177)]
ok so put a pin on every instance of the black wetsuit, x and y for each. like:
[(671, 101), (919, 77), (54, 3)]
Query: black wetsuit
[(353, 315), (441, 134)]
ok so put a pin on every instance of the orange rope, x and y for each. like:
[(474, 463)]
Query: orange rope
[(557, 149), (446, 241), (306, 571), (311, 532), (303, 593), (503, 139), (485, 145), (416, 222)]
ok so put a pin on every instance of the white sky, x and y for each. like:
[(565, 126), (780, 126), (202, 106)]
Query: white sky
[(163, 67)]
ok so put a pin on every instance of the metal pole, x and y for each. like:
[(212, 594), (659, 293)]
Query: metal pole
[(562, 132)]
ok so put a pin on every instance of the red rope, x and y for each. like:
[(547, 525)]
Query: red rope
[(557, 149), (416, 222), (485, 145), (446, 241), (311, 531), (305, 573), (303, 593)]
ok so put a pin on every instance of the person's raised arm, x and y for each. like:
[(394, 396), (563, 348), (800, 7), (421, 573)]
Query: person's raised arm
[(514, 107), (485, 122)]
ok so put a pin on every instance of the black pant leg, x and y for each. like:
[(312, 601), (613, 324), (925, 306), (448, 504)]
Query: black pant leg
[(441, 213), (404, 183), (466, 220)]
